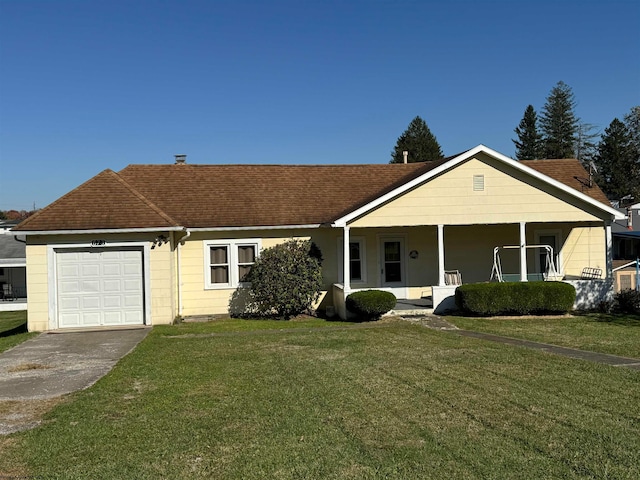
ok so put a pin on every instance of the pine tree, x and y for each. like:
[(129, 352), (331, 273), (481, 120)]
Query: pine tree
[(528, 145), (558, 123), (418, 140), (617, 161), (586, 147), (632, 121)]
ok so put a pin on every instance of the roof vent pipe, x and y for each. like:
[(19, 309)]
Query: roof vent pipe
[(181, 159), (405, 154)]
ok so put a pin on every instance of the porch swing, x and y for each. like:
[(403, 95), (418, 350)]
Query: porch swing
[(550, 273)]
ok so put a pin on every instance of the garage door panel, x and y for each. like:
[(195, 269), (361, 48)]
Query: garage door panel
[(68, 271), (132, 301), (90, 319), (112, 301), (111, 285), (100, 287), (90, 302), (69, 304), (92, 286), (114, 270), (69, 319), (90, 270), (68, 286), (133, 318), (132, 270)]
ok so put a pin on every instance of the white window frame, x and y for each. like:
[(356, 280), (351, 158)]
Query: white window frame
[(232, 258), (363, 259)]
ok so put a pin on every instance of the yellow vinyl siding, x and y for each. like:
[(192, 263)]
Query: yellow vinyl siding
[(449, 199), (198, 300), (163, 309), (584, 247), (37, 288)]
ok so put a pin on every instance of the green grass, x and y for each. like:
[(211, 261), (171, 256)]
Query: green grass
[(396, 401), (13, 329), (615, 334)]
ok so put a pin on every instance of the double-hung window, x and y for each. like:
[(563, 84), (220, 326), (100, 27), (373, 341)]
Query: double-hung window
[(357, 265), (227, 262)]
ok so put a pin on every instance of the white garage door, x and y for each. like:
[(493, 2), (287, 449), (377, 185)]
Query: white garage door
[(99, 287)]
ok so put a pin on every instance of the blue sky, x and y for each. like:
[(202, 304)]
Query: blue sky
[(89, 85)]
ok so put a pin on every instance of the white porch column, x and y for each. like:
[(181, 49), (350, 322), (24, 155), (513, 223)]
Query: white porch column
[(346, 281), (609, 249), (523, 252), (441, 255)]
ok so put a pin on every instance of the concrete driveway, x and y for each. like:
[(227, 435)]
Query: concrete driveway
[(54, 364)]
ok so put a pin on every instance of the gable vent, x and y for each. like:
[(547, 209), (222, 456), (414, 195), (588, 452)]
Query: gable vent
[(478, 183)]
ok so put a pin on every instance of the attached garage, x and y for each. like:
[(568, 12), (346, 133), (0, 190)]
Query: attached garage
[(99, 287)]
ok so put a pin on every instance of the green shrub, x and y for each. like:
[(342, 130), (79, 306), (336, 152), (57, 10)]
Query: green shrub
[(517, 298), (627, 301), (370, 304), (286, 280)]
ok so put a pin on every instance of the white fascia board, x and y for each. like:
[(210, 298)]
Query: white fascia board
[(261, 227), (540, 176), (343, 221), (96, 231)]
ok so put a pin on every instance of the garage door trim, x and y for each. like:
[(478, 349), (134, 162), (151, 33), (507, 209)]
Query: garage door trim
[(52, 251)]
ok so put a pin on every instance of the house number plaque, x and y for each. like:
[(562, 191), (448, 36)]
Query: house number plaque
[(98, 243)]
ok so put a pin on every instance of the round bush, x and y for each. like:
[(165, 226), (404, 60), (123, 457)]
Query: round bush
[(370, 304)]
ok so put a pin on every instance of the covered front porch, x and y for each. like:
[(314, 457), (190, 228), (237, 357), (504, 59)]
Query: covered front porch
[(423, 265)]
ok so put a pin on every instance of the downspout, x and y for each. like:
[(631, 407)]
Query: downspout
[(180, 242)]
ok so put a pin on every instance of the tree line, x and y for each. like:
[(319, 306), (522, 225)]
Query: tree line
[(613, 156)]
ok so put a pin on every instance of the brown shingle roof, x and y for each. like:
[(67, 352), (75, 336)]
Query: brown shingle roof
[(261, 195), (568, 171), (208, 196), (104, 202)]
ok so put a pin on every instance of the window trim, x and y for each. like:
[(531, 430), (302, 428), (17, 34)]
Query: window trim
[(233, 260), (361, 241)]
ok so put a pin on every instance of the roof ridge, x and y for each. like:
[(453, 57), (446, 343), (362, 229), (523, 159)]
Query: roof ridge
[(148, 202), (29, 219)]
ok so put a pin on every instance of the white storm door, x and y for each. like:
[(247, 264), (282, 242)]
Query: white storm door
[(99, 287)]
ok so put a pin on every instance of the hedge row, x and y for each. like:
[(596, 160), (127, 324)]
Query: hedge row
[(515, 298)]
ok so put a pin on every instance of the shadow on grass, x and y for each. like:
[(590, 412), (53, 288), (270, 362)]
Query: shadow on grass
[(22, 328), (625, 320)]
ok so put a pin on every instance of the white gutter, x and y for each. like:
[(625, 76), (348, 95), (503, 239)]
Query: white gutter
[(179, 282), (256, 227), (97, 231)]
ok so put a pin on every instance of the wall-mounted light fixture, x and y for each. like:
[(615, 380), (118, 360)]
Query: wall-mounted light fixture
[(159, 241)]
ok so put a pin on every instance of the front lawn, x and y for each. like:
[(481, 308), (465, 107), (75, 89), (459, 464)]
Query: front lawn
[(615, 334), (394, 401), (13, 329)]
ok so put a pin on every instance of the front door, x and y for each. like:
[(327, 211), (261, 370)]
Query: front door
[(393, 266)]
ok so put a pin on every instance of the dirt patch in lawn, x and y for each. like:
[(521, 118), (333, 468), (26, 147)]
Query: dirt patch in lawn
[(19, 415)]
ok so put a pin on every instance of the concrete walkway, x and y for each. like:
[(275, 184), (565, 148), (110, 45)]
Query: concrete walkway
[(54, 364), (438, 323), (613, 360)]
